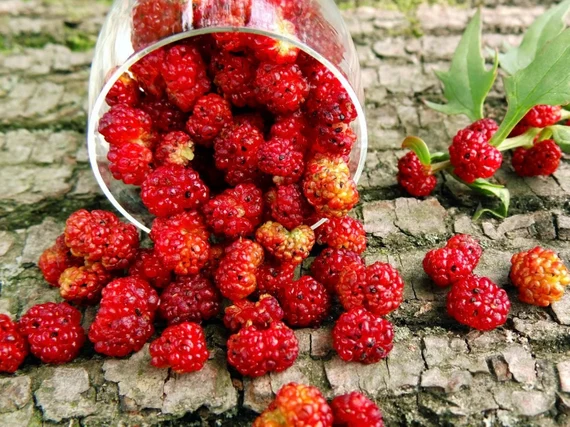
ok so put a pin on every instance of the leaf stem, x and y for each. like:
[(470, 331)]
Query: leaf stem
[(565, 114), (524, 140), (436, 167)]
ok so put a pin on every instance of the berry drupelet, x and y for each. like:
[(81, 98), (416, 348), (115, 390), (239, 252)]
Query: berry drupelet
[(414, 177), (281, 88), (56, 259), (447, 265), (149, 267), (355, 410), (13, 346), (174, 148), (210, 116), (542, 159), (469, 246), (288, 205), (330, 263), (272, 277), (130, 162), (83, 285), (259, 314), (342, 233), (123, 124), (281, 158), (306, 303), (473, 157), (125, 91), (286, 246)]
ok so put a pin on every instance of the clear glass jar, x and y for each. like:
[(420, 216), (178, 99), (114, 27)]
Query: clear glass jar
[(314, 26)]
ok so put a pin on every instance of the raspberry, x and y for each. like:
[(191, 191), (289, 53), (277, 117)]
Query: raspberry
[(293, 127), (478, 303), (351, 284), (297, 405), (171, 189), (286, 246), (236, 212), (414, 177), (384, 290), (360, 336), (210, 116), (329, 103), (469, 246), (488, 127), (146, 72), (330, 263), (272, 50), (123, 124), (180, 347), (130, 163), (84, 284), (236, 274), (175, 148), (255, 352), (208, 13), (329, 187), (473, 157), (86, 233), (305, 302), (231, 41), (281, 88), (519, 129), (259, 314), (165, 116), (272, 277), (542, 159), (280, 158), (181, 242), (121, 247), (124, 321), (288, 206), (216, 255), (125, 91), (336, 140), (53, 331), (149, 267), (543, 116), (447, 265), (56, 259), (13, 346), (317, 74), (189, 299), (540, 275), (254, 119), (342, 233), (356, 410), (234, 75), (155, 20)]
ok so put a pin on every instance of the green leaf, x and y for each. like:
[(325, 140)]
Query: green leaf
[(418, 146), (545, 81), (439, 157), (561, 134), (467, 82), (488, 189), (545, 28)]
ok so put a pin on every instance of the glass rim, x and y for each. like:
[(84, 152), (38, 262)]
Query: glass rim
[(134, 58)]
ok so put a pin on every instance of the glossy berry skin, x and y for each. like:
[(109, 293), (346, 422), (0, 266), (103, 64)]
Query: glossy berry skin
[(234, 76), (130, 162), (83, 285), (342, 233), (329, 103), (306, 303), (542, 116), (488, 127), (294, 127), (236, 274), (271, 50), (297, 405), (123, 124), (336, 139), (473, 157), (155, 20), (174, 148), (169, 190), (55, 260), (446, 266), (165, 116), (286, 246), (330, 263), (384, 290), (478, 303), (180, 347), (121, 247), (13, 346), (259, 314), (280, 158), (281, 88), (360, 336), (125, 91), (414, 177), (236, 212), (255, 352), (542, 159), (147, 73), (53, 331), (540, 276), (470, 247), (149, 267), (189, 299), (355, 410), (210, 116), (130, 293), (288, 205), (273, 276), (327, 185), (181, 242)]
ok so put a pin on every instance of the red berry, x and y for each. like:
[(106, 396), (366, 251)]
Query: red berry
[(189, 299), (414, 177), (56, 259), (231, 41), (360, 336), (293, 127), (181, 242), (468, 245), (236, 274), (234, 75), (130, 293), (180, 347), (543, 116), (329, 103), (281, 88), (254, 119), (216, 255), (272, 277), (53, 331), (146, 72), (121, 247), (280, 158), (175, 148), (356, 410), (171, 189), (165, 116), (149, 267), (488, 127), (130, 162), (478, 302), (473, 157), (13, 346), (305, 303), (84, 284), (519, 129), (236, 212), (384, 289), (342, 233), (125, 91), (210, 116), (255, 352), (351, 284), (123, 124), (272, 50), (542, 159), (336, 139), (154, 20), (259, 314), (86, 233), (286, 246), (288, 205), (447, 265), (330, 263)]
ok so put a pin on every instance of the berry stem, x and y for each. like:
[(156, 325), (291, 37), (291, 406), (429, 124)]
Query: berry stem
[(565, 114), (436, 167), (524, 140)]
